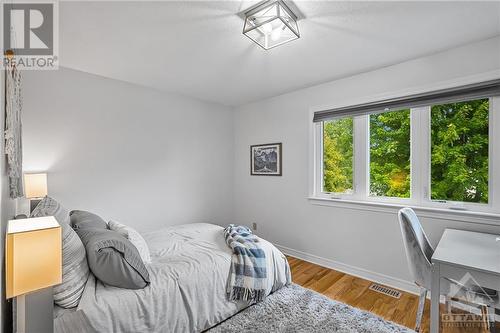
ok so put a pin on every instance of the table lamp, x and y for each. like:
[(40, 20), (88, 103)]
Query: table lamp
[(35, 188), (33, 264)]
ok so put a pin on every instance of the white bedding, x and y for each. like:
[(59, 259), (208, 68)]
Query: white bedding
[(189, 270)]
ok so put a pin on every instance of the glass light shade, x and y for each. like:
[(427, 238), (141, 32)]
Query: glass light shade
[(271, 24), (35, 185), (33, 255)]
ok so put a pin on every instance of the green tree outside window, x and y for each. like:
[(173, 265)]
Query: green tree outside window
[(338, 155), (459, 158), (459, 153), (390, 154)]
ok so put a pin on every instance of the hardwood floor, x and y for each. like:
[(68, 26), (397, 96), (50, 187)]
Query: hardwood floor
[(354, 291)]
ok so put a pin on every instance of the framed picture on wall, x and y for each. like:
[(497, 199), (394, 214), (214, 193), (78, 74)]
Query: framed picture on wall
[(265, 160)]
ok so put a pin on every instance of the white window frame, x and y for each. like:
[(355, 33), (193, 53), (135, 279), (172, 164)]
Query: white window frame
[(420, 165)]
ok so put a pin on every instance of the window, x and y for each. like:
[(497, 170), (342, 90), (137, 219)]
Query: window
[(459, 157), (436, 156), (390, 154), (337, 156)]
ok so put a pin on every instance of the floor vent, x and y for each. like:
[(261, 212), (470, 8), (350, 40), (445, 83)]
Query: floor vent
[(385, 290)]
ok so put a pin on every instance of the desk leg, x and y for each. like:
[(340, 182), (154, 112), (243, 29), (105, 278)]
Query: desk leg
[(435, 295)]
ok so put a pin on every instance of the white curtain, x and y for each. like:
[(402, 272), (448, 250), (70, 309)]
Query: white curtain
[(13, 131)]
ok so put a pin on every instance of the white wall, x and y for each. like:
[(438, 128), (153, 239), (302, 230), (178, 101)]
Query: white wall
[(367, 240), (151, 159), (146, 158)]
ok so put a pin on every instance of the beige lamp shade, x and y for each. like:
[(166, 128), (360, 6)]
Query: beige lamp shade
[(35, 185), (33, 255)]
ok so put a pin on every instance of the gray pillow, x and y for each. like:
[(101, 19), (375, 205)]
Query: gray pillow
[(81, 219), (75, 270), (114, 259)]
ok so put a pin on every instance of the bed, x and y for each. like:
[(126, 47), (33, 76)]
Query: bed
[(189, 270)]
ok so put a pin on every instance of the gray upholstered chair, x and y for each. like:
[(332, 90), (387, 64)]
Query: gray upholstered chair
[(419, 253)]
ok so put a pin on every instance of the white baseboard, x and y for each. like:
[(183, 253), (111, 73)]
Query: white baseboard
[(352, 270)]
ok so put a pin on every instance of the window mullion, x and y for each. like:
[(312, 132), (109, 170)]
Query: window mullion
[(494, 155), (318, 158), (420, 154), (361, 157), (426, 154)]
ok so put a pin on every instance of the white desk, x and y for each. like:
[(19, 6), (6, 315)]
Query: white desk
[(458, 253)]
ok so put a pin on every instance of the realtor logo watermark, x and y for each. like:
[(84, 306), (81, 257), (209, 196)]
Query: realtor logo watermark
[(468, 290), (30, 35)]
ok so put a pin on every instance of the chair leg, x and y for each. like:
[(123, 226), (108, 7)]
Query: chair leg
[(490, 312), (420, 310)]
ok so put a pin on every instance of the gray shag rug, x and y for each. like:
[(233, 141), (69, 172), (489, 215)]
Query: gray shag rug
[(297, 309)]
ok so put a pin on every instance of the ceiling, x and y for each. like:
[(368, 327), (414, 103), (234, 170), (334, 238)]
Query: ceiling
[(196, 48)]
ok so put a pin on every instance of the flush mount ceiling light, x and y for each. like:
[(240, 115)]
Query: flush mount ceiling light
[(270, 24)]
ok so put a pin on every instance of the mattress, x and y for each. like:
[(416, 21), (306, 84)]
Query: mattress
[(189, 270)]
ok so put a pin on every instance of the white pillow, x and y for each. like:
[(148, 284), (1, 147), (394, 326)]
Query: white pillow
[(134, 237), (75, 269)]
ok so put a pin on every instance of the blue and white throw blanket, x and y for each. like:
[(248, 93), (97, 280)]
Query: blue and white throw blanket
[(248, 277)]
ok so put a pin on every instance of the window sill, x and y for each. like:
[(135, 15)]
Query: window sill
[(392, 208)]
